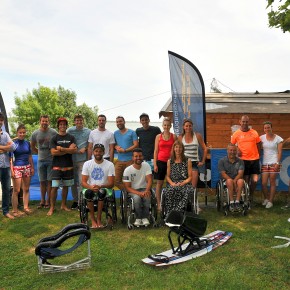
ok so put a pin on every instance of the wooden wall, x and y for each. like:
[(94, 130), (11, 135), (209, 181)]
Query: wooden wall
[(218, 126)]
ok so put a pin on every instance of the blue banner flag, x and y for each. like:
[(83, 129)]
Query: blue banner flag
[(188, 94)]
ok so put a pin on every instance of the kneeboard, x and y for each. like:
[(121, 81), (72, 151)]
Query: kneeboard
[(215, 239)]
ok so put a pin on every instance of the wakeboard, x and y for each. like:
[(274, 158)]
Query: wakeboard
[(215, 239)]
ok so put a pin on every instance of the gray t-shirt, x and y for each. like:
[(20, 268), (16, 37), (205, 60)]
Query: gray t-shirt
[(42, 140), (231, 168)]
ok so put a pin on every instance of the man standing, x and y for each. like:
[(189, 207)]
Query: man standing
[(249, 146), (138, 181), (146, 135), (102, 136), (126, 142), (40, 140), (81, 135), (231, 169), (6, 146), (97, 174), (62, 146)]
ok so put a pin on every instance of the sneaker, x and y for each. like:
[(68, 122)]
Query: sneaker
[(138, 223), (269, 204), (232, 207), (265, 202), (145, 222), (74, 205), (286, 207), (238, 206)]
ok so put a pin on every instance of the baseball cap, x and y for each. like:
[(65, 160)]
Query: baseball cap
[(98, 145), (61, 119), (144, 115)]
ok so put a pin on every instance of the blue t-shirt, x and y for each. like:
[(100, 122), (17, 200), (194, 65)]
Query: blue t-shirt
[(21, 153), (125, 141)]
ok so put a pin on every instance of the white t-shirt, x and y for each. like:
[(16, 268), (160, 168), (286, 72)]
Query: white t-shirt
[(137, 177), (270, 149), (98, 173), (102, 137)]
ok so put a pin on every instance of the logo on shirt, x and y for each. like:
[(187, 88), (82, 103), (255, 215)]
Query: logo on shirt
[(97, 174)]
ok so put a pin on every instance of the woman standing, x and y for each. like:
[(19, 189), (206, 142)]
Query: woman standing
[(179, 174), (22, 169), (272, 153), (192, 141), (162, 149)]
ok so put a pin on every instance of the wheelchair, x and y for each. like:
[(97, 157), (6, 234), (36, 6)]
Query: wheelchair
[(223, 201), (192, 205), (127, 210), (108, 195)]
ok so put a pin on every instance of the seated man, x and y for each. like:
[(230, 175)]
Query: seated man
[(231, 169), (137, 180), (97, 173)]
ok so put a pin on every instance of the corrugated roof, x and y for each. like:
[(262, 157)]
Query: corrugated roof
[(242, 103)]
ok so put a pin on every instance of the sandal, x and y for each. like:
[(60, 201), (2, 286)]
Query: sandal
[(17, 213), (46, 206), (28, 211), (41, 205)]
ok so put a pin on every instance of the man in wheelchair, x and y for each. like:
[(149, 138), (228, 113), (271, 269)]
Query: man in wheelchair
[(137, 179), (97, 175), (231, 169)]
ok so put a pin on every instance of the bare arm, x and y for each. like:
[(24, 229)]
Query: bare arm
[(156, 148), (90, 150), (111, 152), (33, 147)]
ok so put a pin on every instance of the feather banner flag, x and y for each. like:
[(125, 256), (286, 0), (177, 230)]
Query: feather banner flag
[(188, 94)]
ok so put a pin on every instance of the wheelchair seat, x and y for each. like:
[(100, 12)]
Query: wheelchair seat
[(188, 227), (48, 248)]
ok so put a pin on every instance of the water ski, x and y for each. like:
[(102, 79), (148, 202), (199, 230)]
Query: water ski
[(191, 250)]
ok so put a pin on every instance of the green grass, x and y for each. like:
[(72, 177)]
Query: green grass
[(246, 261)]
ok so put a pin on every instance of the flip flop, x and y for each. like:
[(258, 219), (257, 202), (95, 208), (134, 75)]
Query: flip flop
[(41, 205), (46, 206)]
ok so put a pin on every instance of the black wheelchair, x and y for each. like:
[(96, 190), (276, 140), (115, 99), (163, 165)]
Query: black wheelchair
[(110, 209), (223, 201), (127, 210), (192, 205)]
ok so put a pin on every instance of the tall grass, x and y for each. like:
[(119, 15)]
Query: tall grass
[(246, 261)]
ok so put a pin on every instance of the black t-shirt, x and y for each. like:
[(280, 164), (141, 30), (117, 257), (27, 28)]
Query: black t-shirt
[(147, 140), (64, 141)]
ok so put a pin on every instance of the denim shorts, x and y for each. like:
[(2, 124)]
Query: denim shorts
[(44, 168)]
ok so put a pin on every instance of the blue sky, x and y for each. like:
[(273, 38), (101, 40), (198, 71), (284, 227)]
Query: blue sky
[(114, 54)]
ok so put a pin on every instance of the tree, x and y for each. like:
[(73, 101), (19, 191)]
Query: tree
[(53, 102), (280, 17)]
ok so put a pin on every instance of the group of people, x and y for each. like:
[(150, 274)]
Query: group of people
[(78, 157), (243, 162)]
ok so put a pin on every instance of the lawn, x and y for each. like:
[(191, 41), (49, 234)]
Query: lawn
[(246, 261)]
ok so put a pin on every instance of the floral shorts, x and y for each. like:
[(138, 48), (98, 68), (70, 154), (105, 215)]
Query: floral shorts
[(22, 171)]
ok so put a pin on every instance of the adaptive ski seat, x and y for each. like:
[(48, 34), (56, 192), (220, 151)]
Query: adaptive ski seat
[(48, 248), (188, 227), (127, 209), (105, 194), (223, 199)]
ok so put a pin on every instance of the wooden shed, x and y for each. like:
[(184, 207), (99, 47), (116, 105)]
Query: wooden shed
[(224, 110)]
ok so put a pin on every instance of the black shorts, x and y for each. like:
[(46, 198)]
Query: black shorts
[(162, 170), (62, 175), (252, 167)]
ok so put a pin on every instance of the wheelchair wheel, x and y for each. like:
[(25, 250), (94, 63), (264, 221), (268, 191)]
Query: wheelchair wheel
[(245, 197), (130, 214), (163, 205), (218, 196), (83, 209), (112, 207), (123, 206), (153, 216), (194, 202)]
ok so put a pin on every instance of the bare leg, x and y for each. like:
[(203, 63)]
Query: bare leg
[(159, 185), (92, 214), (25, 188), (99, 214), (64, 198), (43, 189), (194, 179), (230, 186), (15, 193), (265, 177), (272, 186), (53, 195)]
